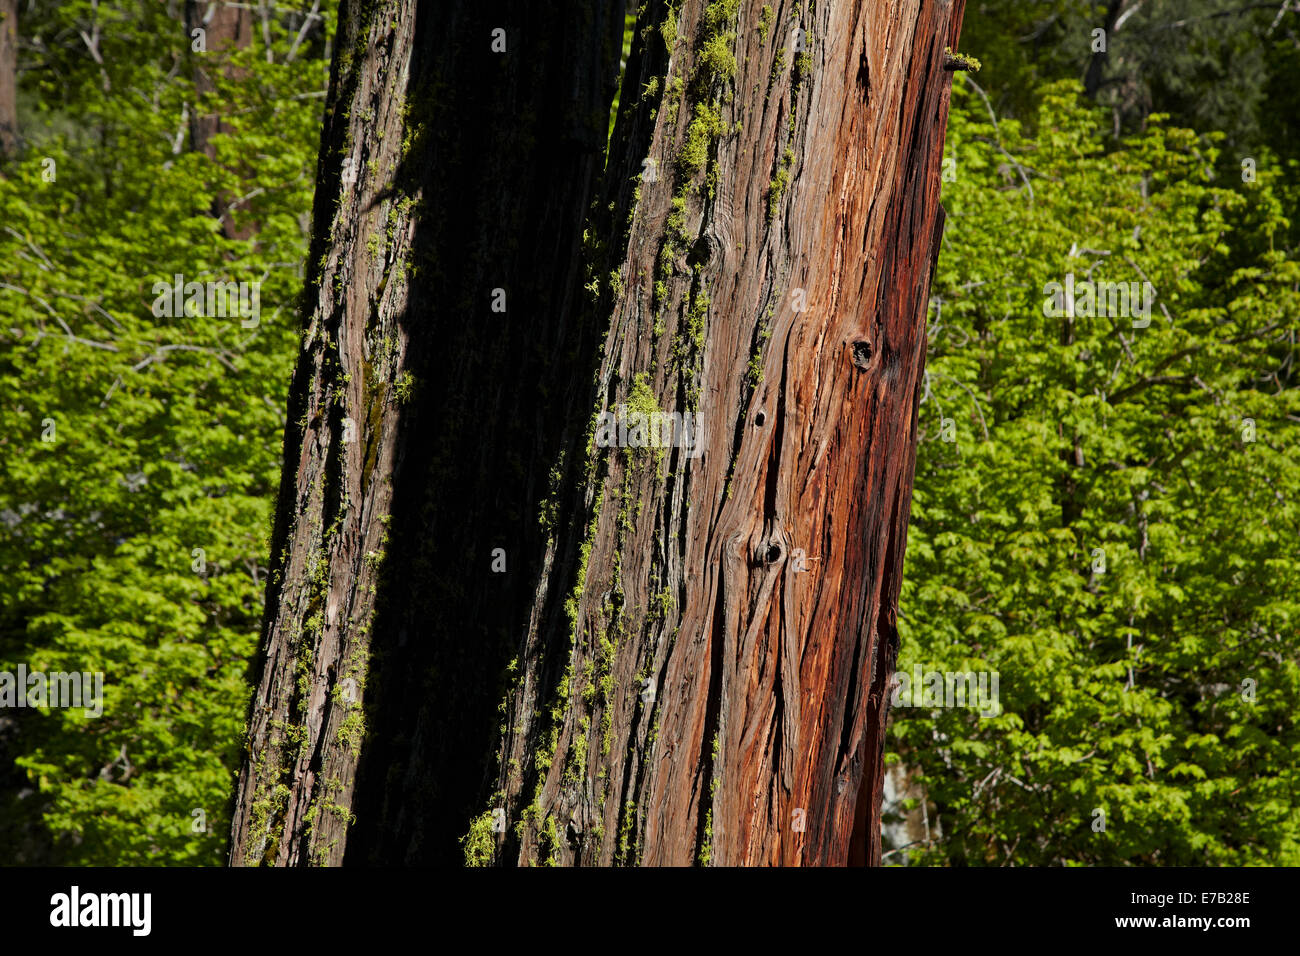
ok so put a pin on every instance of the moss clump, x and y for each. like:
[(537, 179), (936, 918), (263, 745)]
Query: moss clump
[(573, 602), (765, 22), (716, 57), (663, 604), (404, 387), (625, 830), (351, 731), (717, 61), (754, 374), (776, 189), (676, 224), (960, 61), (706, 125), (692, 335), (606, 733), (706, 848), (479, 843), (642, 397), (267, 823), (548, 841), (666, 256), (778, 67), (576, 765), (668, 29), (720, 12), (673, 93), (641, 401)]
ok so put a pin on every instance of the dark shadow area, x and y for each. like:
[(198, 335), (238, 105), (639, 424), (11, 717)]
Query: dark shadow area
[(508, 156)]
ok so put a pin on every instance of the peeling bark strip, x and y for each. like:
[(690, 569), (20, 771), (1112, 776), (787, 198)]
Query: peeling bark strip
[(688, 645)]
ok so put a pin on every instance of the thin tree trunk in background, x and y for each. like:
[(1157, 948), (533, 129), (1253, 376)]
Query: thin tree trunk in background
[(676, 655), (8, 77), (1095, 73), (226, 26)]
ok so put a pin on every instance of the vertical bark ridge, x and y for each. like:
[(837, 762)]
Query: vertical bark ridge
[(422, 421), (698, 635)]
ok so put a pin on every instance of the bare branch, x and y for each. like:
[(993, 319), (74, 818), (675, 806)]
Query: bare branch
[(302, 34)]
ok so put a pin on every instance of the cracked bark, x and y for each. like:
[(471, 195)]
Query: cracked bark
[(701, 644)]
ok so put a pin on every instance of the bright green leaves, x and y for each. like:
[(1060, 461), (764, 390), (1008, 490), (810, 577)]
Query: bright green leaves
[(135, 541), (1121, 549)]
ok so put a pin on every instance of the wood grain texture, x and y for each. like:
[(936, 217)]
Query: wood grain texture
[(785, 669), (417, 424), (652, 680)]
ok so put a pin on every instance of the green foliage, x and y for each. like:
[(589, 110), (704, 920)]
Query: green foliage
[(629, 23), (1212, 66), (167, 431), (1159, 690), (1162, 689)]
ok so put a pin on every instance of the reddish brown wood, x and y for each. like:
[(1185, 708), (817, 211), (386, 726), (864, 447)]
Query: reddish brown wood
[(670, 573), (226, 27), (786, 668)]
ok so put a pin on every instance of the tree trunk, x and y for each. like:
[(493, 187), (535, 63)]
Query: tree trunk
[(566, 652), (226, 26), (8, 77)]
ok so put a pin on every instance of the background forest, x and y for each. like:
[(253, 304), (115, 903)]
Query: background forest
[(141, 454)]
